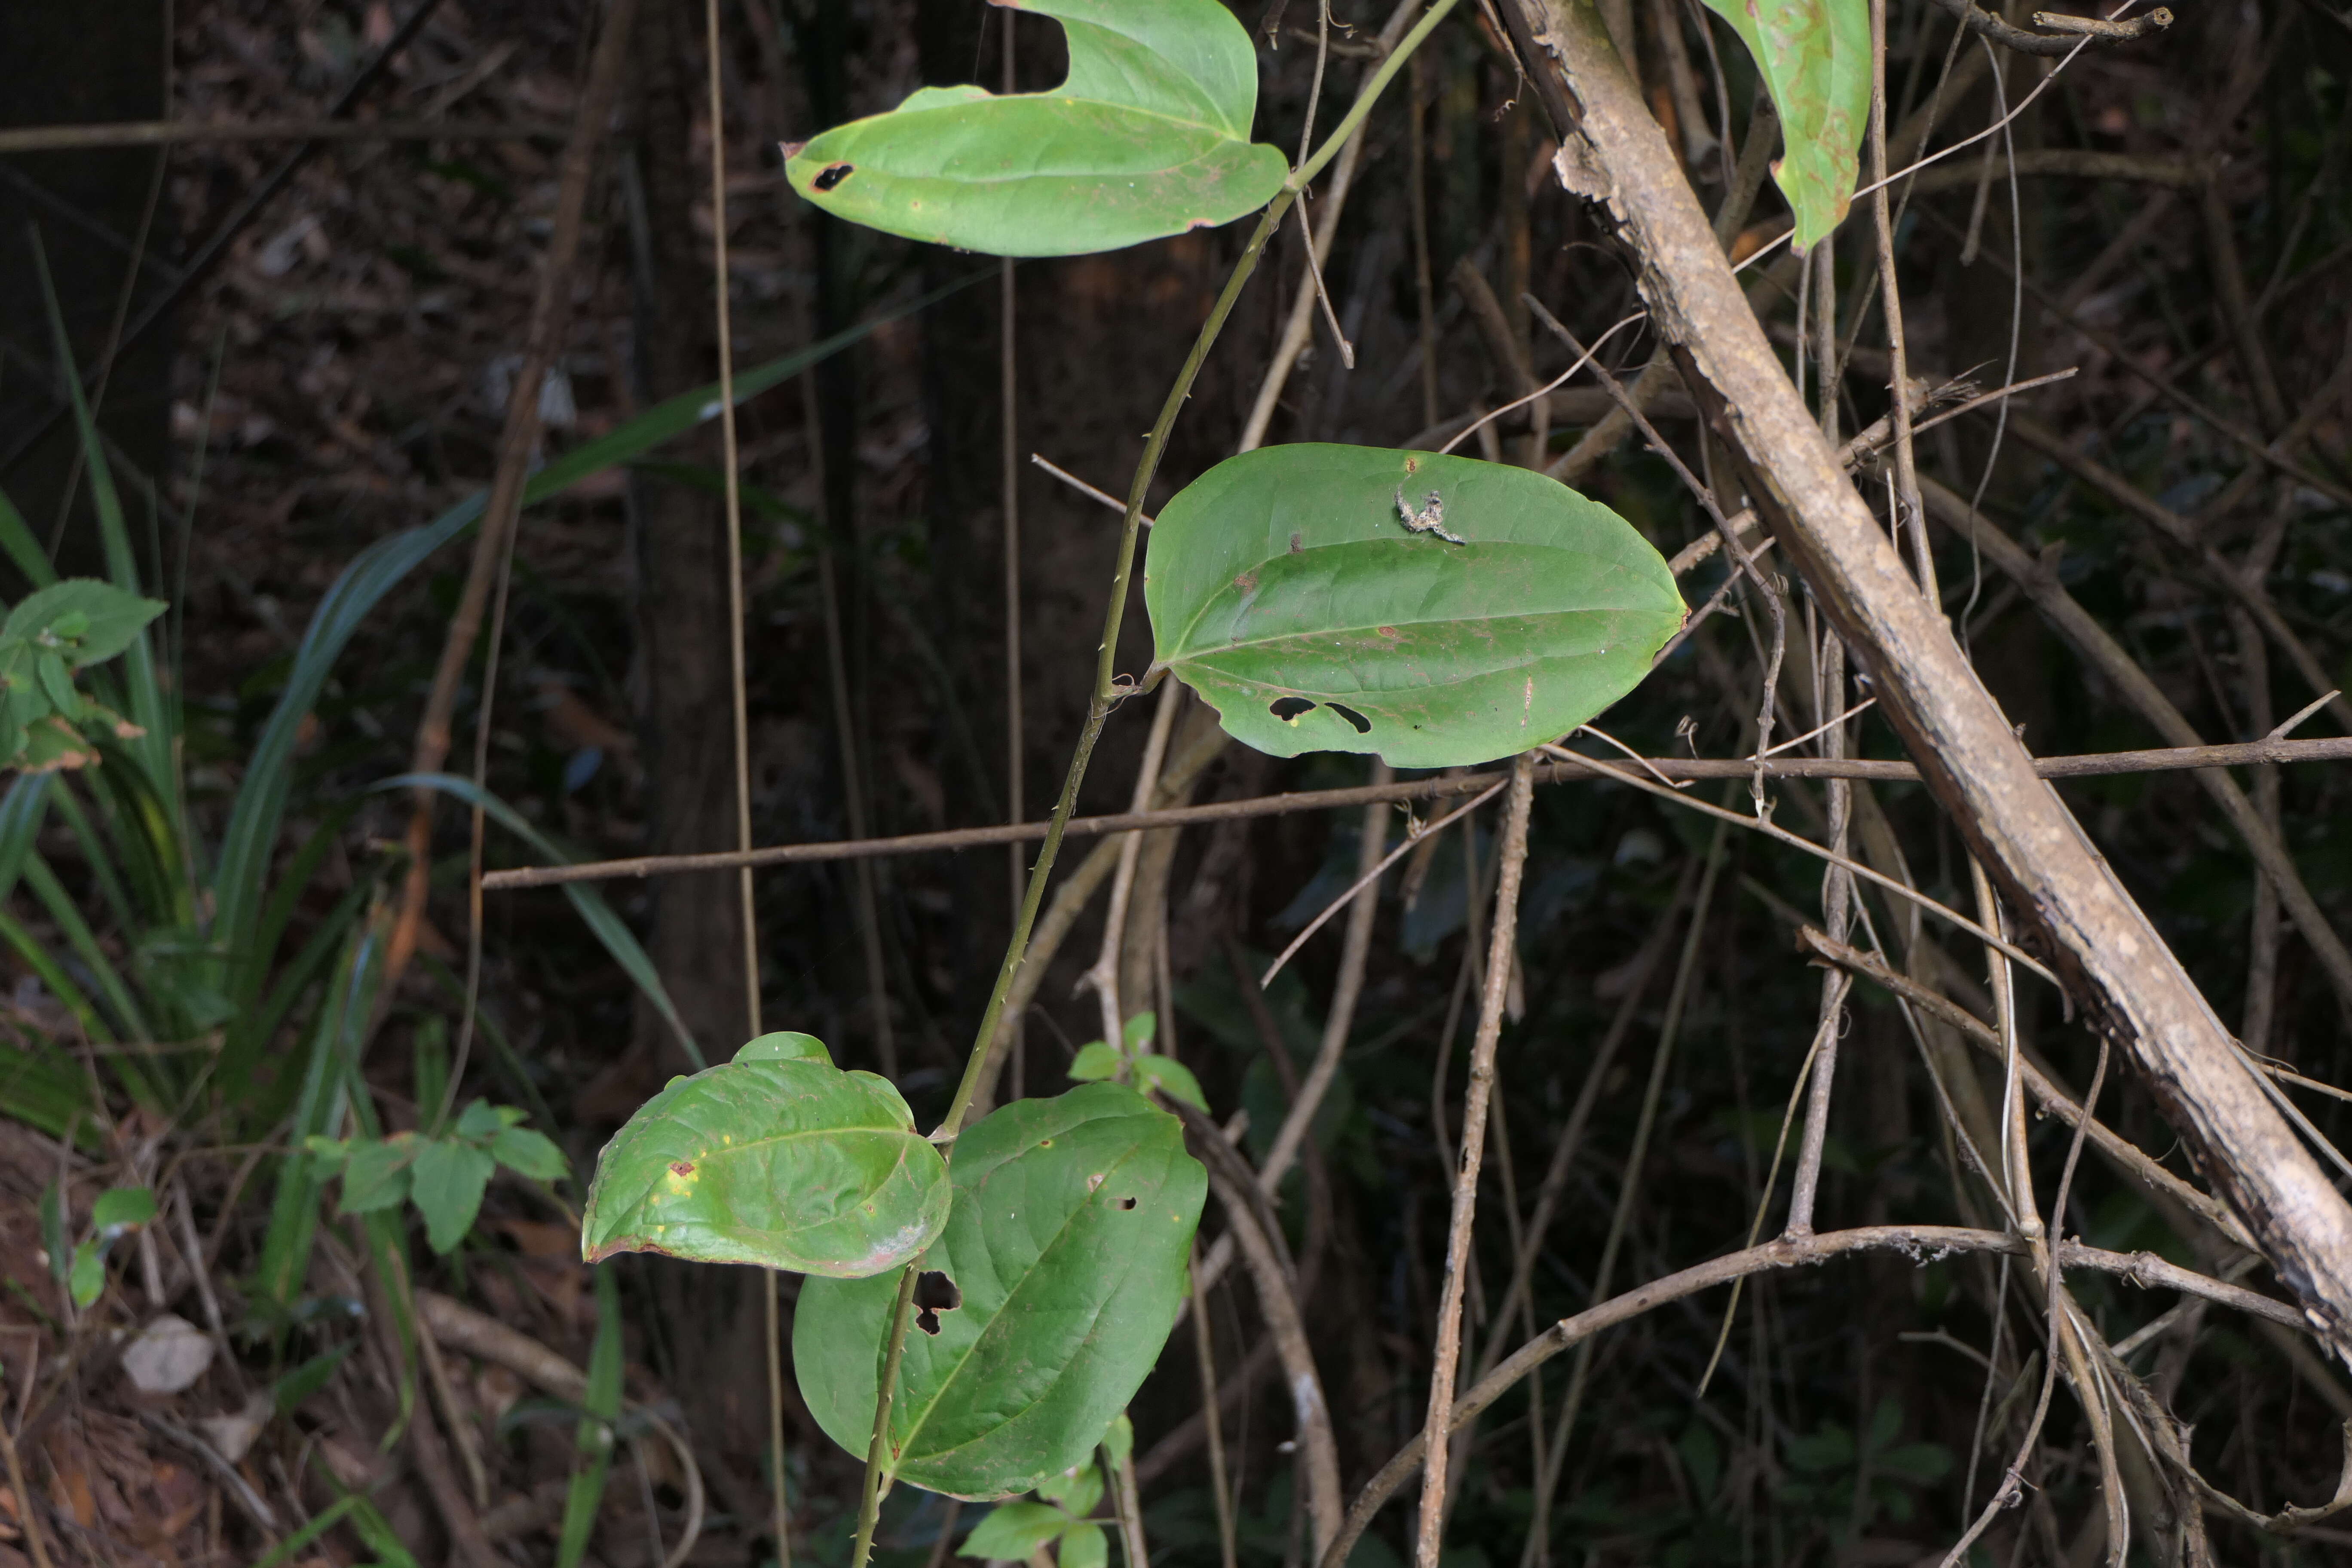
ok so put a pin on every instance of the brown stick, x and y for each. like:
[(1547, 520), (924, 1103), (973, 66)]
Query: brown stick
[(2079, 30), (551, 312), (2124, 1155), (2095, 764), (1923, 1243), (1280, 1310), (1446, 1350), (178, 132), (2111, 959)]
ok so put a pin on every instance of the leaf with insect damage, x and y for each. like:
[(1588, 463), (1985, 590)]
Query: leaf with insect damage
[(1148, 137), (778, 1158), (1816, 58), (1040, 1309), (1437, 610)]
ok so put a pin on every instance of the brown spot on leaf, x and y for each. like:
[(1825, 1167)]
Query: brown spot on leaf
[(682, 1168), (832, 174)]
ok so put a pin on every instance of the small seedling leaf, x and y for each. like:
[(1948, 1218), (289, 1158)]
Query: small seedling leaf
[(1148, 137), (788, 1163), (118, 1209), (1012, 1532), (1095, 1062), (88, 1273), (86, 620), (446, 1183), (1171, 1078), (1071, 1222), (1286, 588), (1077, 1490), (529, 1155), (1084, 1546), (376, 1175)]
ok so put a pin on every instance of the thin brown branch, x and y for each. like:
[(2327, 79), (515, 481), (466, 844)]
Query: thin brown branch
[(2095, 764), (2067, 33), (1922, 1244), (550, 313), (1280, 1310), (2123, 1154), (1446, 1349)]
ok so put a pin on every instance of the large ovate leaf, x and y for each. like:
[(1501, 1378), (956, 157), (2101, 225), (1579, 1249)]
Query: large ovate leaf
[(784, 1162), (1287, 589), (1148, 137), (1815, 60), (1043, 1305)]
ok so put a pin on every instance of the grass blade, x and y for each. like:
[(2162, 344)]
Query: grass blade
[(600, 1408), (609, 928)]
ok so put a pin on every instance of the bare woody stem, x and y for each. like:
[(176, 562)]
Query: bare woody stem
[(1922, 1243), (1447, 1349)]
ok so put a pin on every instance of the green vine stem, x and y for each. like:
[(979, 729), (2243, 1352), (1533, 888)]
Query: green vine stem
[(869, 1503), (1107, 694), (1107, 691)]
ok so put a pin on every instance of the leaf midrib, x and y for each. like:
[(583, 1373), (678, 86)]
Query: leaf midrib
[(1061, 1233), (1190, 651)]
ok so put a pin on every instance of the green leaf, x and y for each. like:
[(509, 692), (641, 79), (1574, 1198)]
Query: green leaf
[(1075, 1490), (445, 1184), (1139, 1030), (1286, 589), (784, 1046), (89, 1275), (1171, 1078), (529, 1155), (377, 1175), (482, 1120), (791, 1163), (56, 685), (1012, 1531), (1148, 137), (88, 620), (1084, 1546), (1118, 1440), (118, 1209), (1814, 55), (1095, 1061), (1067, 1249)]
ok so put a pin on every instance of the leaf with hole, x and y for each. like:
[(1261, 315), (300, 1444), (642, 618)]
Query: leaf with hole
[(1286, 587), (1814, 55), (1148, 136), (1063, 1260), (776, 1158)]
